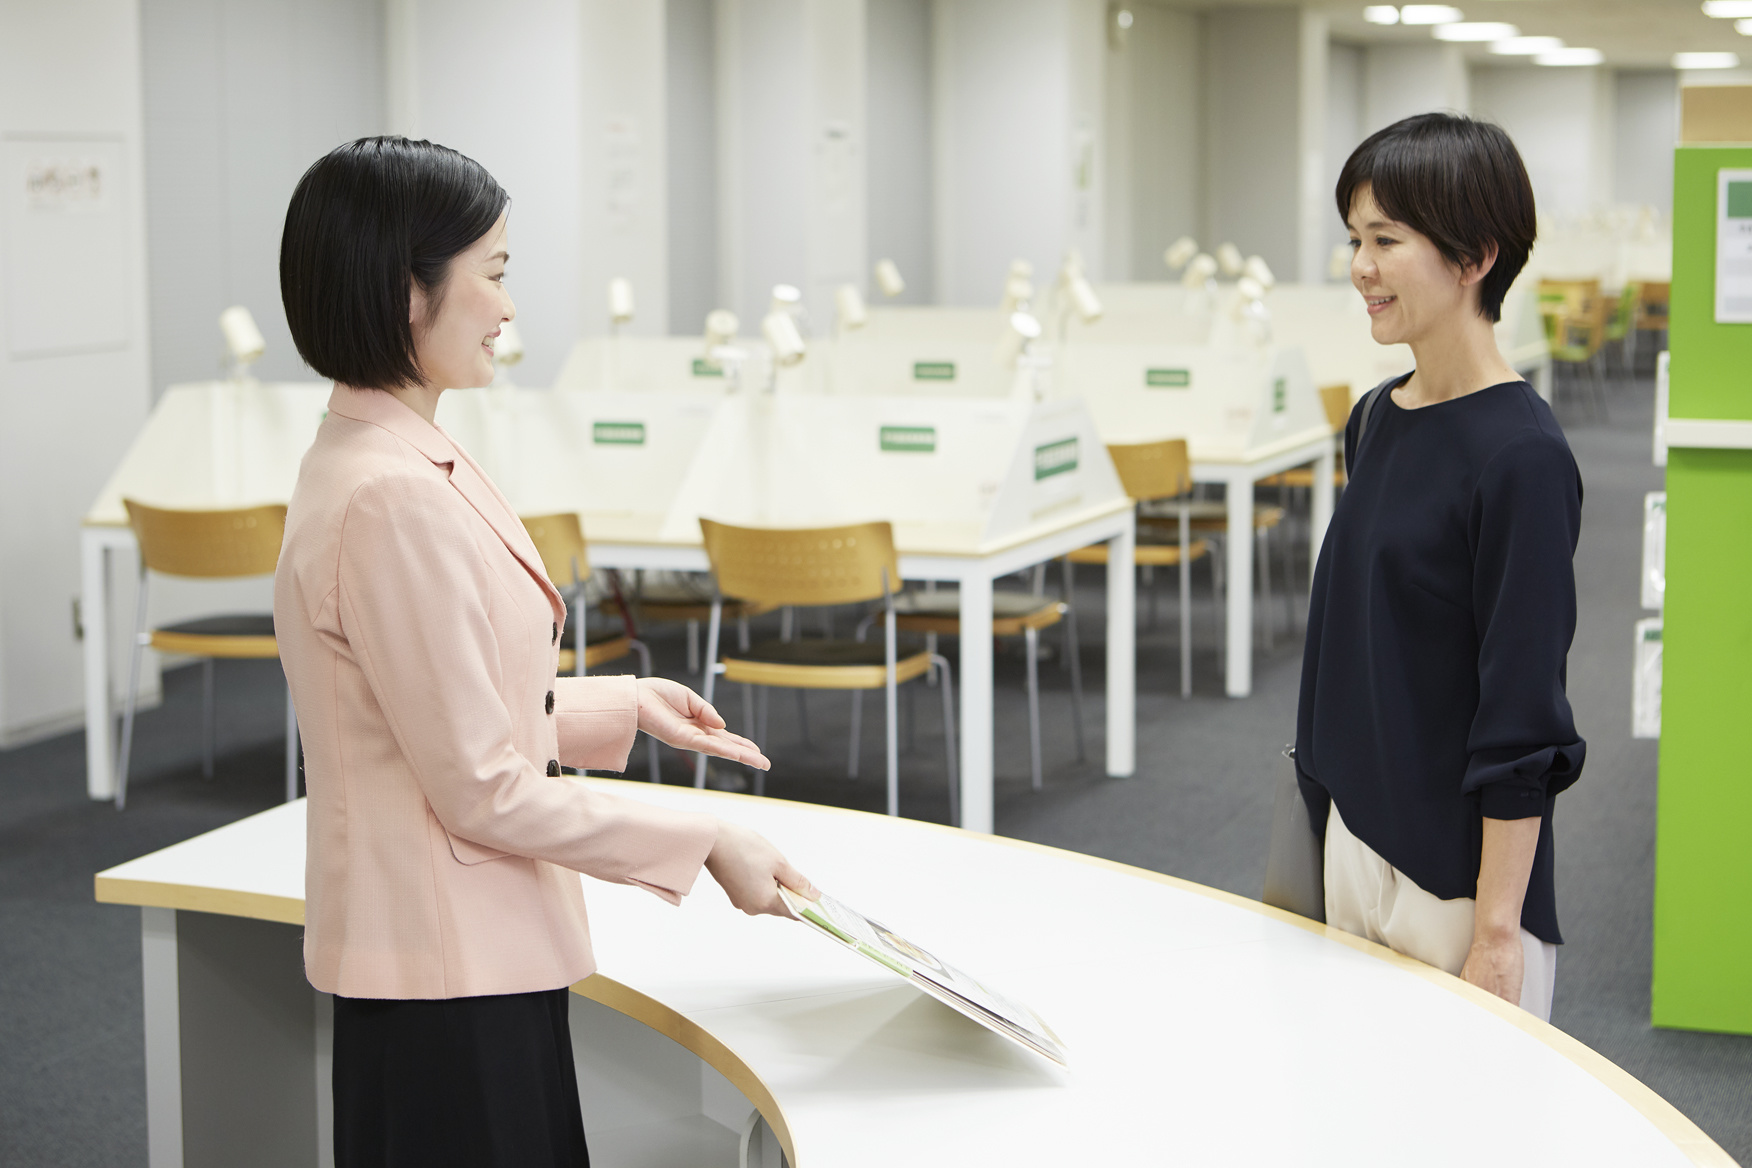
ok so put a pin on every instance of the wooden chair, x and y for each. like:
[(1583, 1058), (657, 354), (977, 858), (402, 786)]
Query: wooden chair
[(1013, 614), (686, 600), (1157, 473), (559, 540), (1651, 312), (855, 564), (211, 545), (1576, 339), (1336, 401)]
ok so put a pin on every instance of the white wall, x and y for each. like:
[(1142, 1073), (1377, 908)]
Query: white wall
[(1019, 105), (1155, 121), (1344, 129), (1265, 126), (74, 342), (1562, 122), (899, 180), (791, 152), (1645, 130), (1402, 80), (692, 153), (240, 98)]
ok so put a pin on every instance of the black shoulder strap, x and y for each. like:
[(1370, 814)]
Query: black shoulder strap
[(1363, 421)]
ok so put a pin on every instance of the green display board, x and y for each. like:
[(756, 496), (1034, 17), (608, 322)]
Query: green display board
[(1703, 842)]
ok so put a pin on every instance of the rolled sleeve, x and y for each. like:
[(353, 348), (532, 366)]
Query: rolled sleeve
[(597, 719), (1526, 517)]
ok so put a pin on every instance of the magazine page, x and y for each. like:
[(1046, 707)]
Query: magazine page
[(924, 969)]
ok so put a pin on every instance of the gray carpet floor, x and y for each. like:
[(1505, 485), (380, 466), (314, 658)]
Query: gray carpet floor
[(71, 1075)]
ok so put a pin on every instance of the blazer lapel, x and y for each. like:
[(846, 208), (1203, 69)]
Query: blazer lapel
[(385, 410)]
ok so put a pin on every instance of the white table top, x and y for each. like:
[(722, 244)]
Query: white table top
[(1202, 1028)]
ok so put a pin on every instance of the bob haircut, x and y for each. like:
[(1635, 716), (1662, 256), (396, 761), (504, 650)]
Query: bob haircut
[(367, 221), (1460, 183)]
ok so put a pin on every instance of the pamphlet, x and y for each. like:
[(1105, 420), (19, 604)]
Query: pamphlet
[(942, 981)]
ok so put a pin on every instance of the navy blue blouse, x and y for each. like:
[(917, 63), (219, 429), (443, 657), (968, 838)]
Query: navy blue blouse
[(1442, 611)]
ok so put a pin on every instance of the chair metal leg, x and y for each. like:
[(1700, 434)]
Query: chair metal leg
[(891, 706), (742, 633), (711, 671), (1032, 638), (1148, 572), (206, 717), (762, 707), (1264, 584), (125, 748), (857, 727), (693, 646), (1185, 604), (803, 715), (291, 746), (644, 653), (1073, 651), (949, 742), (1067, 569)]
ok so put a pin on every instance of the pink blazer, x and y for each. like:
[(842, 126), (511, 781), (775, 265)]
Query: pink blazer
[(419, 634)]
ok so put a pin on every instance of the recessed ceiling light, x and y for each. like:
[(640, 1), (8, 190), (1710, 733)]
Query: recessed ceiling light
[(1706, 61), (1727, 9), (1381, 14), (1570, 57), (1527, 46), (1430, 14), (1743, 27), (1476, 30)]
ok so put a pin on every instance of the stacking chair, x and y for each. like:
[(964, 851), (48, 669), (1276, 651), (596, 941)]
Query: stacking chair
[(1620, 329), (855, 564), (1013, 613), (1651, 311), (559, 540), (1157, 473), (1576, 339), (686, 599), (212, 545)]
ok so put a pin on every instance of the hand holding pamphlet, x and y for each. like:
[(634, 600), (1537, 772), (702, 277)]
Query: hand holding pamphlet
[(941, 980)]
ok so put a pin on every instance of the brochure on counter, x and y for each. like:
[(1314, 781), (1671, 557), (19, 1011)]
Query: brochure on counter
[(938, 978)]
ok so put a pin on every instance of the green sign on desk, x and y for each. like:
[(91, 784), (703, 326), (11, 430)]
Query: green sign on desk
[(908, 439), (1168, 378), (618, 433), (702, 367), (1055, 458), (933, 371), (1279, 396)]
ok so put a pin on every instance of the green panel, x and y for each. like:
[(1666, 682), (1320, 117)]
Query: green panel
[(1711, 373), (705, 367), (907, 439), (1703, 843), (1055, 458), (618, 433), (1168, 378), (933, 371), (1740, 200)]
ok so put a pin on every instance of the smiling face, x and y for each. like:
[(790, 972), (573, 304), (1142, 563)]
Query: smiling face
[(1411, 290), (454, 345)]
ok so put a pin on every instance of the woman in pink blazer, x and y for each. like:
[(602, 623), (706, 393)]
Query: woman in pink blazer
[(420, 636)]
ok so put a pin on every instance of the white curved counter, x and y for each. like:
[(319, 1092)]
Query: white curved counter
[(1203, 1028)]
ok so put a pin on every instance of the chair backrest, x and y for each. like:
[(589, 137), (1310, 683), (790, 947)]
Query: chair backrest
[(803, 566), (1566, 297), (212, 544), (559, 540), (1153, 470), (1337, 401), (1651, 309)]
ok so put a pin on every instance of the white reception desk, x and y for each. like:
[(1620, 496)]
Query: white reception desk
[(1203, 1028)]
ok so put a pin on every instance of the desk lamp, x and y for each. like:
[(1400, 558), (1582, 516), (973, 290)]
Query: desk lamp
[(1229, 259), (1180, 253), (779, 326), (1018, 287), (888, 279), (1338, 262), (243, 341), (507, 351), (848, 304), (1260, 272)]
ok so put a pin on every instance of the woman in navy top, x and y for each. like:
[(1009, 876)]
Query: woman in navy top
[(1433, 720)]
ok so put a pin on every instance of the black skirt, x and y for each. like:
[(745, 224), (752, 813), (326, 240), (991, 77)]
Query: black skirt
[(457, 1081)]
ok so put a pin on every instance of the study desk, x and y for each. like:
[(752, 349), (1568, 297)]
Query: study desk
[(1202, 1028), (223, 446)]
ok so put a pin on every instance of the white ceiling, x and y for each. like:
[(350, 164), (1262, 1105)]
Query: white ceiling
[(1631, 33)]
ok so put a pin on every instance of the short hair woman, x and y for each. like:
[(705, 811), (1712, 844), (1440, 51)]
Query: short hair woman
[(420, 636), (1433, 720)]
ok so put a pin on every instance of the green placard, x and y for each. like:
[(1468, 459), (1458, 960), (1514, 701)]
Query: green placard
[(933, 371), (703, 367), (1740, 200), (1055, 458), (618, 433), (1168, 378), (908, 439), (1280, 398)]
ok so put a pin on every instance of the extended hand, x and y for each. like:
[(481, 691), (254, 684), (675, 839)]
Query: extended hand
[(750, 870), (1498, 966), (675, 714)]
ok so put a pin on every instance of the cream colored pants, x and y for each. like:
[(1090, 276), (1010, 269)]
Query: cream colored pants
[(1367, 897)]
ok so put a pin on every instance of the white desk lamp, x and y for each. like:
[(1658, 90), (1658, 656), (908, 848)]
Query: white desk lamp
[(1180, 253), (1260, 271), (779, 326), (848, 304), (1229, 259), (1338, 262), (507, 351), (888, 279), (620, 303), (244, 345), (1018, 286)]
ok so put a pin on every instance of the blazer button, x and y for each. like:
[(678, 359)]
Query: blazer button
[(553, 768), (550, 701), (556, 639)]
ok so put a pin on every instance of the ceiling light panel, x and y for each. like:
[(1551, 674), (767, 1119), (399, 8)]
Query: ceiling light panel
[(1526, 46), (1706, 61), (1381, 14), (1570, 57), (1476, 30), (1727, 9), (1430, 14)]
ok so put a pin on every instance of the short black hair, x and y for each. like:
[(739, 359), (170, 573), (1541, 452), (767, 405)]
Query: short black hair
[(1457, 181), (368, 220)]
